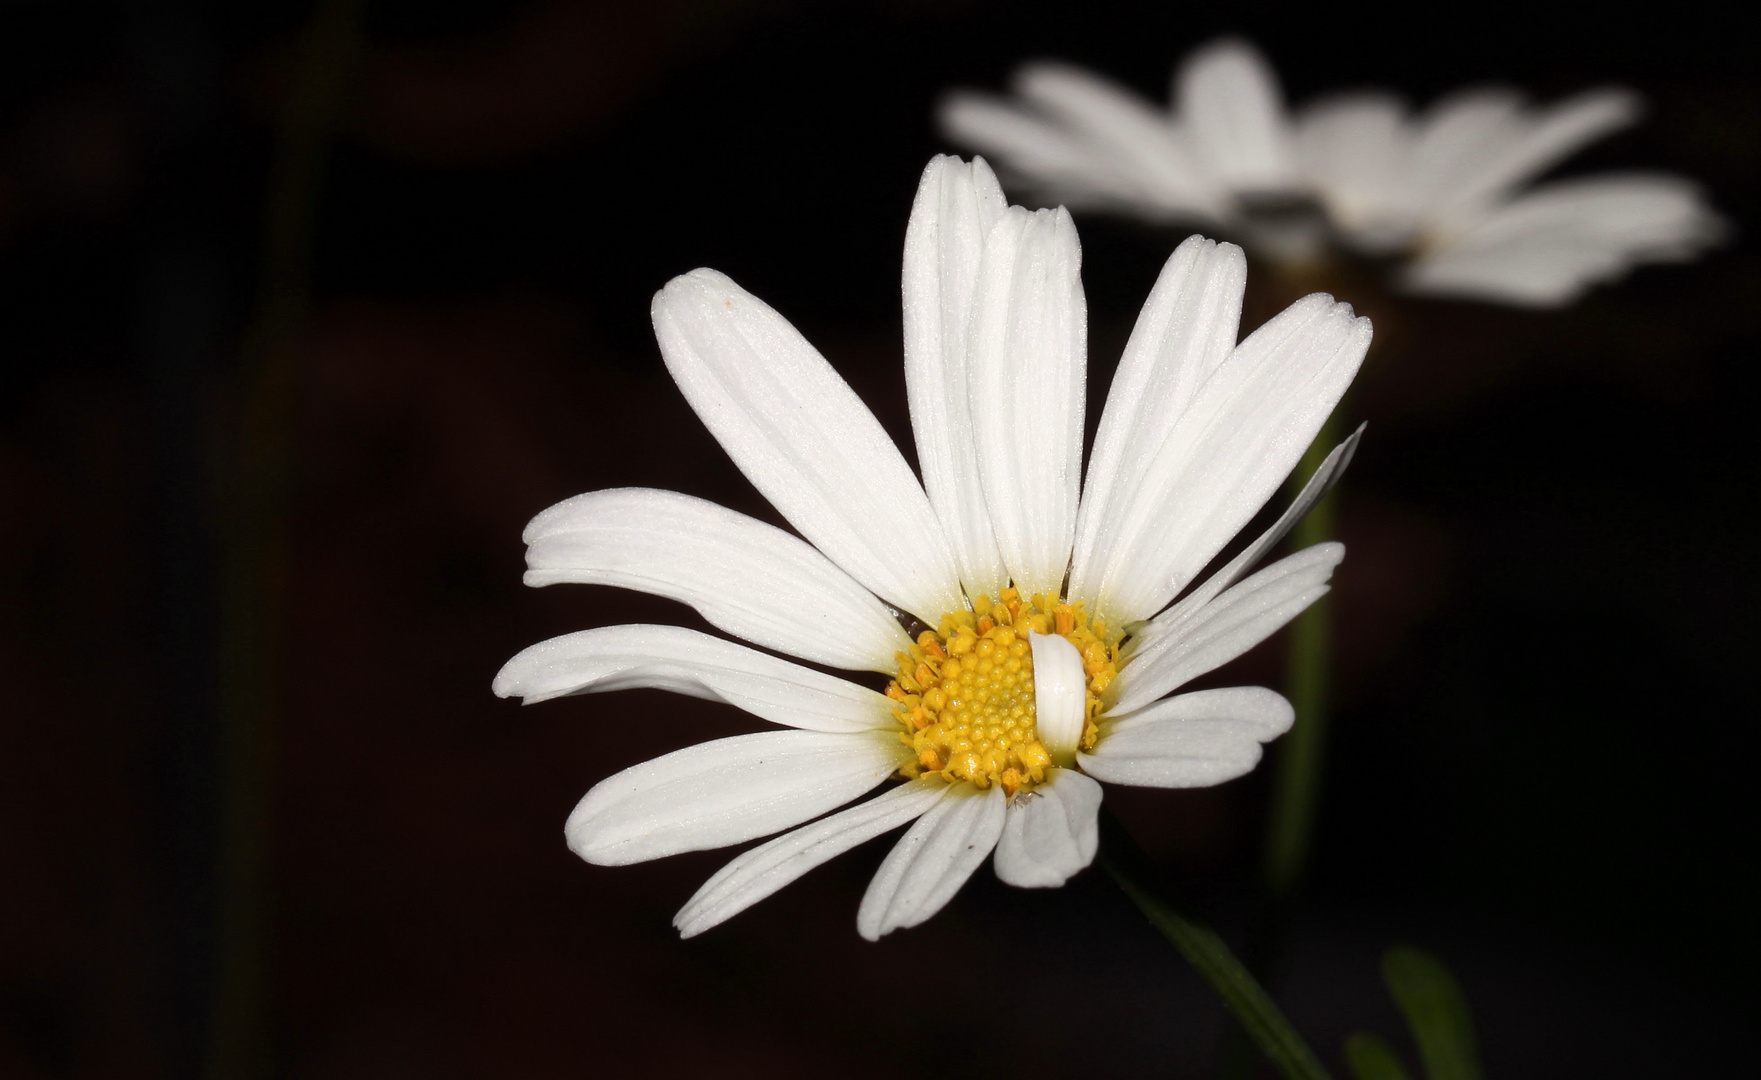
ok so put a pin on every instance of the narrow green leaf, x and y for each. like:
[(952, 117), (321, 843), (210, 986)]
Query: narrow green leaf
[(1241, 994), (1369, 1057), (1435, 1011)]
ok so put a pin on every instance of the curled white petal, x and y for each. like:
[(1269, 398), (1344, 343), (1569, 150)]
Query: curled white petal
[(726, 792), (1050, 833), (1193, 740), (932, 860), (765, 869), (1060, 694), (804, 439), (751, 579), (687, 662)]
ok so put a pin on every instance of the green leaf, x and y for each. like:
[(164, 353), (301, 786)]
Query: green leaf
[(1435, 1011), (1369, 1057)]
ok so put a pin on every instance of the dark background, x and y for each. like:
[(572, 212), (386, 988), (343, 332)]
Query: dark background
[(1543, 761)]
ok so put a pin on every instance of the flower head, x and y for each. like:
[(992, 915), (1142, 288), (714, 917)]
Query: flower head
[(1044, 651), (1446, 190)]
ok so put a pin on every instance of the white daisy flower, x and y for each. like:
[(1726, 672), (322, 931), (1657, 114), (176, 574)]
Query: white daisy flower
[(1446, 190), (1046, 649)]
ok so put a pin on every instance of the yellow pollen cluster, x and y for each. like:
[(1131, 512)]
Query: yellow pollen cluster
[(965, 691)]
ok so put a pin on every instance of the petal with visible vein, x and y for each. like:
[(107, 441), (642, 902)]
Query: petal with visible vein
[(726, 792), (1028, 372), (753, 580), (765, 869), (688, 662), (1193, 740), (932, 860), (804, 439)]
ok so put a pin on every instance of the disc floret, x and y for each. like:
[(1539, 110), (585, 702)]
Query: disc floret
[(965, 690)]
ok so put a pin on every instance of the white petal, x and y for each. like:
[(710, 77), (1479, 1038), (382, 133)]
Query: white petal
[(1327, 474), (1150, 161), (687, 662), (1353, 149), (767, 868), (1193, 740), (1060, 694), (1452, 137), (751, 579), (1168, 656), (1028, 370), (957, 204), (804, 439), (1236, 442), (1546, 248), (1534, 144), (1228, 97), (1050, 833), (1187, 328), (726, 792), (932, 860)]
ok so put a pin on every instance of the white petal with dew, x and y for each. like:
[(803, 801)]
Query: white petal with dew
[(1186, 330), (726, 792), (1547, 247), (1193, 740), (1028, 372), (1060, 694), (1167, 658), (804, 439), (753, 580), (1050, 833), (1233, 447), (1228, 97), (932, 860), (765, 869), (957, 204), (688, 662)]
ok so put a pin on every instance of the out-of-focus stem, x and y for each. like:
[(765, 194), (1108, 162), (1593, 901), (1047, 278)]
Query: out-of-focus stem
[(1201, 947), (255, 537), (1296, 772)]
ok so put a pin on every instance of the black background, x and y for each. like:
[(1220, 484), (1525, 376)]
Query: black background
[(1545, 744)]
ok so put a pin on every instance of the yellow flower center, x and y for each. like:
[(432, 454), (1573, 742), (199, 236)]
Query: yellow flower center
[(965, 691)]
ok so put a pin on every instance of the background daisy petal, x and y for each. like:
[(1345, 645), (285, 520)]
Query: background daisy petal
[(1228, 97), (726, 792)]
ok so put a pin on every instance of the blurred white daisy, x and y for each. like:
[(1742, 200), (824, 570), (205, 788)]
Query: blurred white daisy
[(1047, 649), (1446, 191)]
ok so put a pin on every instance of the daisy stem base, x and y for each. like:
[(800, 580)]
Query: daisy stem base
[(1206, 951)]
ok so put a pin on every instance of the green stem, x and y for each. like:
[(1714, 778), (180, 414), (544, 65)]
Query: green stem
[(1296, 775), (1201, 946), (252, 581)]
